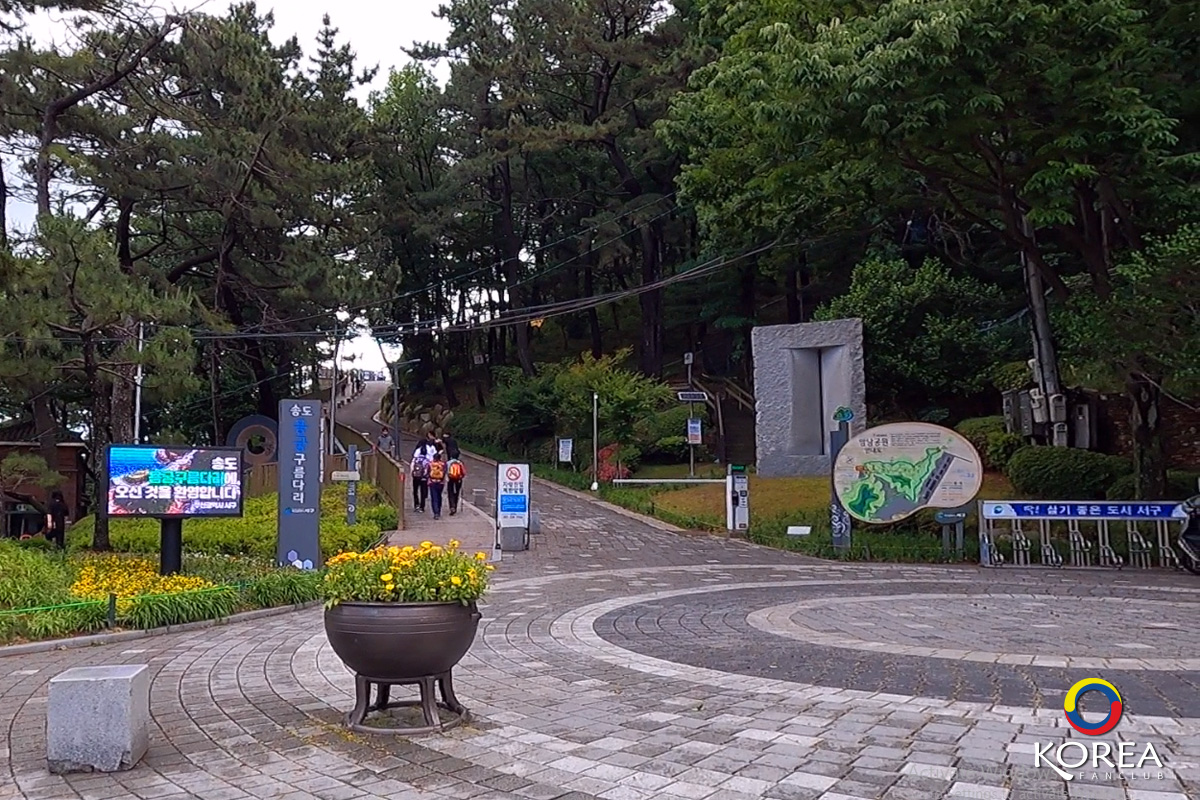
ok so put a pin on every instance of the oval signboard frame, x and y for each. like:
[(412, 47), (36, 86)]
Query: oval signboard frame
[(890, 472)]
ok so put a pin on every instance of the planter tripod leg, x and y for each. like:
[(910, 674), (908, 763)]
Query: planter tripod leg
[(446, 685), (362, 700), (429, 703), (382, 696)]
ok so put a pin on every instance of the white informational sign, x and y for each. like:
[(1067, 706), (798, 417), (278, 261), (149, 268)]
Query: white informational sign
[(694, 433), (512, 496), (688, 358), (566, 448), (345, 475)]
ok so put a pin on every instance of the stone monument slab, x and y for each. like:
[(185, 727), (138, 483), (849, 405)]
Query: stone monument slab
[(98, 718), (802, 375)]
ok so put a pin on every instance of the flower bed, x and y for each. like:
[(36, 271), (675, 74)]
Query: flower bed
[(227, 567), (45, 595)]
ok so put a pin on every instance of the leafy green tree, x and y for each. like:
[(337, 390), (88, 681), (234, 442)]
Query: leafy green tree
[(1147, 331), (924, 331), (1055, 127), (626, 397), (74, 303)]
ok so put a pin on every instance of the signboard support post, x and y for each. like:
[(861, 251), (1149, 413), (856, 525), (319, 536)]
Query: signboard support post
[(839, 517), (170, 558), (352, 486)]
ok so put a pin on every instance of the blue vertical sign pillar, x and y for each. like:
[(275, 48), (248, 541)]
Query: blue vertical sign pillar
[(839, 517), (299, 483), (352, 486)]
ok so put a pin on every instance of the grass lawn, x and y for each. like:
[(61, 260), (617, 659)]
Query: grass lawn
[(776, 497)]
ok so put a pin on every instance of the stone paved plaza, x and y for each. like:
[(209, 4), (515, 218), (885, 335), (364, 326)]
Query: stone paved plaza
[(622, 661)]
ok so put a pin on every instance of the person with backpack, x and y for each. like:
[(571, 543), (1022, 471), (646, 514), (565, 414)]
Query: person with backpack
[(456, 470), (437, 483), (453, 453), (420, 480)]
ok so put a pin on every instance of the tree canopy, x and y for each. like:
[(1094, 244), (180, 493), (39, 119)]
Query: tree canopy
[(632, 178)]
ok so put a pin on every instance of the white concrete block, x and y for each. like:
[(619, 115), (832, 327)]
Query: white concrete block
[(98, 718)]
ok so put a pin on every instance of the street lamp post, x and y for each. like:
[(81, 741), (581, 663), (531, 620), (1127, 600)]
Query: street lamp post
[(595, 441)]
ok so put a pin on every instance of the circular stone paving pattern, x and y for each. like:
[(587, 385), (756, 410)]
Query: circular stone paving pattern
[(1016, 629), (986, 650)]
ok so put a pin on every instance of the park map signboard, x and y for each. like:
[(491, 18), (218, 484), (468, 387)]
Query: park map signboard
[(174, 483), (890, 472)]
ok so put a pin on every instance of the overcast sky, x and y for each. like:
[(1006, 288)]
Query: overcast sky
[(375, 29)]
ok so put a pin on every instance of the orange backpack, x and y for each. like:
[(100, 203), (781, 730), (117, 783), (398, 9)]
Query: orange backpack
[(457, 471), (437, 471)]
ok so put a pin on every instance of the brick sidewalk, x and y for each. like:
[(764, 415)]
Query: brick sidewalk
[(470, 526)]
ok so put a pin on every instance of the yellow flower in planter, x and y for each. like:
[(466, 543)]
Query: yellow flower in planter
[(431, 573)]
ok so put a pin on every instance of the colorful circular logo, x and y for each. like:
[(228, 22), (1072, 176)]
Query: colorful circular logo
[(1075, 716)]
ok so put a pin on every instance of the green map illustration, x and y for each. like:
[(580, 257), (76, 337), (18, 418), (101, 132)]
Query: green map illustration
[(888, 490)]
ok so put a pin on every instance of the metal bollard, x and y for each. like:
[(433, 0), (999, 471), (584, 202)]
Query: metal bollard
[(535, 522), (479, 498)]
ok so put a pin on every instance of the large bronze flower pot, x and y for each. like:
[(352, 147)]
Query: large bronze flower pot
[(390, 644)]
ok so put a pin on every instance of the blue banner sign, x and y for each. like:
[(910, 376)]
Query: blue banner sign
[(1073, 509), (299, 483)]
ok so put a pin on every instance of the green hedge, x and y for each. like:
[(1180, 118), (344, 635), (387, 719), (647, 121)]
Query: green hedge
[(252, 534), (994, 445), (1065, 473), (1180, 486), (660, 438)]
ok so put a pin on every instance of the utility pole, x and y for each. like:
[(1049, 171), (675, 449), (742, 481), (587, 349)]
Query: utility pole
[(137, 387), (1043, 339), (337, 342)]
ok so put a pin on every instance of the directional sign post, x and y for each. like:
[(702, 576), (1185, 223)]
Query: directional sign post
[(352, 477), (691, 397)]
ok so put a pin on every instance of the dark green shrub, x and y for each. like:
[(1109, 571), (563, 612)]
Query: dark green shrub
[(37, 543), (977, 430), (382, 517), (1001, 447), (156, 611), (284, 587), (480, 428), (1064, 473), (1180, 486)]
